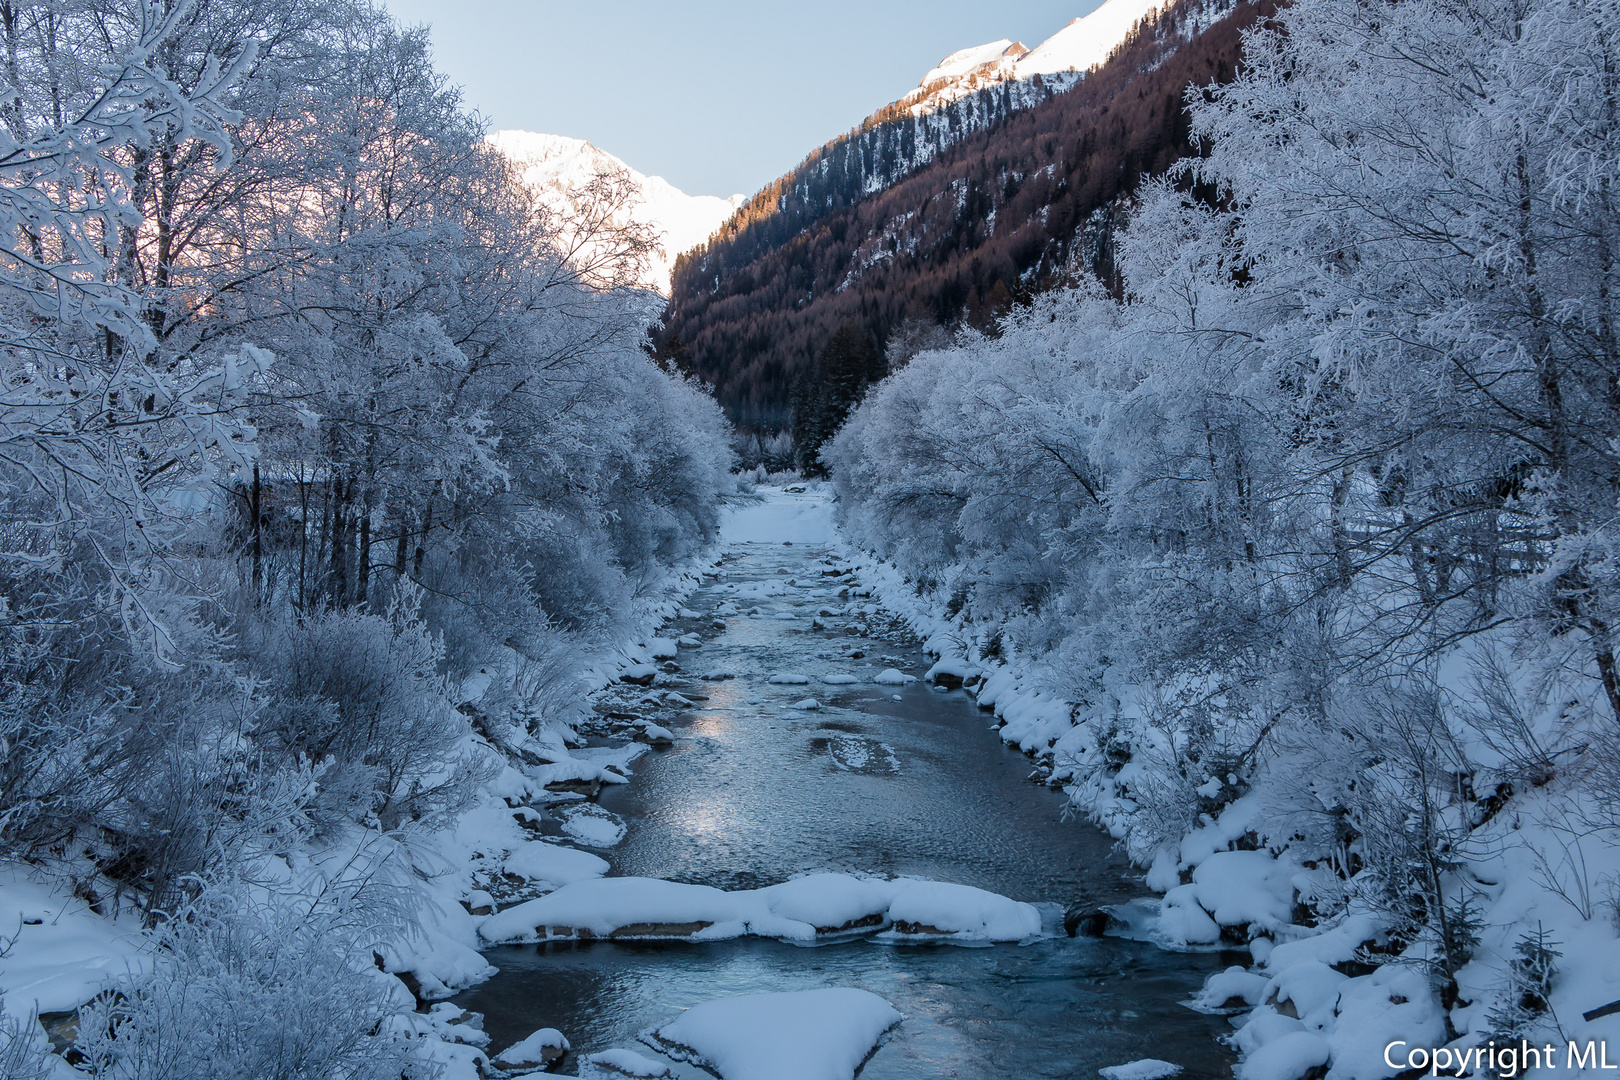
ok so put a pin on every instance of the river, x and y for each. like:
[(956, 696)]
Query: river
[(879, 779)]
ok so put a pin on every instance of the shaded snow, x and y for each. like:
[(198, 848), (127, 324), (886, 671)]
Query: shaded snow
[(779, 517), (794, 910), (1145, 1069), (809, 1035)]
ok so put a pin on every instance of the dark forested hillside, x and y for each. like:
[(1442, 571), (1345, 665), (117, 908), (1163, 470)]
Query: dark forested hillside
[(871, 232)]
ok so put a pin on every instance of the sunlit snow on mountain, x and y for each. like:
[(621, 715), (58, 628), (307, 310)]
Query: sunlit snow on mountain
[(1082, 44), (556, 165)]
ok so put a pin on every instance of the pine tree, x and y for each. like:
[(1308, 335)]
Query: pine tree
[(824, 397)]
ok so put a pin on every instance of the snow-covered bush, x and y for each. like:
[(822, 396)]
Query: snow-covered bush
[(25, 1054), (274, 988), (361, 696), (1315, 518)]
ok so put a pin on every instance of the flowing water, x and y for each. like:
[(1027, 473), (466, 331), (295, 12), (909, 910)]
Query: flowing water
[(879, 779)]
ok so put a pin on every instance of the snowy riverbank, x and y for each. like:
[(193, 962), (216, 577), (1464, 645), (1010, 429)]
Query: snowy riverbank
[(1534, 882), (523, 861)]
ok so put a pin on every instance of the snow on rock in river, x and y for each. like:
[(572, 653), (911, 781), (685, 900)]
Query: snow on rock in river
[(1145, 1069), (790, 678), (797, 910), (809, 1035), (537, 1051)]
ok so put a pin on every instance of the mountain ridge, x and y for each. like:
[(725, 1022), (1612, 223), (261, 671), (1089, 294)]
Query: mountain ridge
[(945, 218), (556, 165)]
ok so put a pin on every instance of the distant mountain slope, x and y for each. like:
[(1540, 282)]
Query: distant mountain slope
[(556, 164), (946, 216)]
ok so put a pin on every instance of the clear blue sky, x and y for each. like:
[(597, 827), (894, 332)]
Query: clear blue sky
[(717, 96)]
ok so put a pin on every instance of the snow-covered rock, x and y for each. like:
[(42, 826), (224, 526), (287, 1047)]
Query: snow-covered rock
[(798, 910), (893, 677), (790, 678), (554, 863), (1144, 1069), (822, 1034), (534, 1053), (1288, 1058)]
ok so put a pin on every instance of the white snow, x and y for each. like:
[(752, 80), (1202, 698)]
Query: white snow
[(559, 865), (663, 648), (1288, 1058), (790, 678), (531, 1050), (809, 1035), (969, 60), (1086, 41), (592, 826), (808, 703), (61, 953), (839, 680), (779, 517), (893, 677), (554, 165), (609, 1064), (794, 910), (1145, 1069)]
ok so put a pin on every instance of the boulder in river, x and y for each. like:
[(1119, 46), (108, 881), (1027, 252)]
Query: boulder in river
[(543, 1051), (638, 674), (1089, 922)]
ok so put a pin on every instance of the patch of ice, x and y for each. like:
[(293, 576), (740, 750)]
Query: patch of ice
[(593, 826), (822, 1034)]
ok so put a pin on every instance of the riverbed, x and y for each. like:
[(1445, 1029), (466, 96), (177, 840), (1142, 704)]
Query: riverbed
[(894, 780)]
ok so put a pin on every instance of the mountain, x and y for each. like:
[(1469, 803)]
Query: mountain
[(1078, 47), (557, 165), (949, 213)]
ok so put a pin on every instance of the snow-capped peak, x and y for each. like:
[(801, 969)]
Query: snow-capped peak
[(1076, 48), (1086, 41), (556, 165), (967, 61)]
